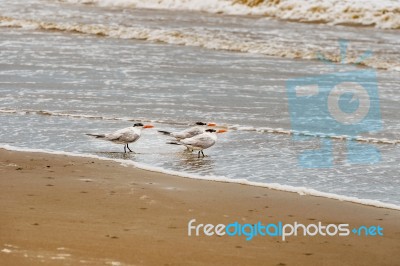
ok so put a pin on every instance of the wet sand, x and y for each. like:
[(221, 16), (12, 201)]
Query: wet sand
[(60, 210)]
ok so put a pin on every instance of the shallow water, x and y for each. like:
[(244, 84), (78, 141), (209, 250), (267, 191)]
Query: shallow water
[(58, 85)]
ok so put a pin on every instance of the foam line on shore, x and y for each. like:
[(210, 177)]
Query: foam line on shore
[(300, 190), (266, 130)]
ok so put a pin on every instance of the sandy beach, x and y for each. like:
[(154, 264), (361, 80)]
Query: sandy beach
[(60, 210), (306, 93)]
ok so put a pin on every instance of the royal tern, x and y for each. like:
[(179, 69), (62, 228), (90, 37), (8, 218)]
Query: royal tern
[(199, 128), (200, 142), (124, 136)]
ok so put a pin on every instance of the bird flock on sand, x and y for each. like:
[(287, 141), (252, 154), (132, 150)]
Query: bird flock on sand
[(196, 138)]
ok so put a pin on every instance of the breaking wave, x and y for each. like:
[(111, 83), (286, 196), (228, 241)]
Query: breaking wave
[(209, 39), (383, 14)]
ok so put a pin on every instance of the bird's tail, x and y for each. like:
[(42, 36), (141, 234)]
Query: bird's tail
[(174, 143), (164, 132), (98, 136)]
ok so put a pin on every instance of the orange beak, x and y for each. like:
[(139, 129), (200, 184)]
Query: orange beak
[(211, 124), (148, 126), (222, 131)]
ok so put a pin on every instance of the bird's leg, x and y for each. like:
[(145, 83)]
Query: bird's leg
[(202, 153), (124, 148), (128, 147), (198, 154)]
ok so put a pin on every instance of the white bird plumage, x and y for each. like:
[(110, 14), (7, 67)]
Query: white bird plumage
[(199, 128), (200, 142), (123, 136)]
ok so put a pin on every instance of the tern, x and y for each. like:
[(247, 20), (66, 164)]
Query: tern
[(199, 128), (123, 136), (200, 142)]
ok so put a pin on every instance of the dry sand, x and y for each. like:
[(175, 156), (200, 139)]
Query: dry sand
[(60, 210)]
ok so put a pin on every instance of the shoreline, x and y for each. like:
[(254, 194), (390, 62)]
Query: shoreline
[(302, 191), (59, 210)]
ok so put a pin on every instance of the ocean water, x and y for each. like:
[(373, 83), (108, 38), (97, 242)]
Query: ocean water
[(73, 67)]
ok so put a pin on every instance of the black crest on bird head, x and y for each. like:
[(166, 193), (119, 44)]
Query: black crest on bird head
[(211, 130), (201, 124), (138, 125)]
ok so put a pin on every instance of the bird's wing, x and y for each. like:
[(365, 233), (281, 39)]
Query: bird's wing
[(193, 131), (113, 136), (180, 135), (202, 141), (188, 133), (130, 136), (117, 134)]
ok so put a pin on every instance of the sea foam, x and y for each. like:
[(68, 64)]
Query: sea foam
[(205, 38), (381, 14), (266, 130)]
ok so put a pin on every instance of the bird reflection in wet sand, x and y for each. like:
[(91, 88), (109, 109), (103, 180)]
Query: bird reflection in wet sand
[(190, 162)]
